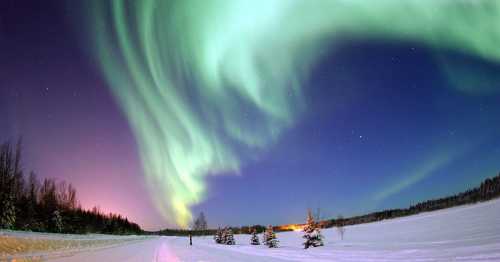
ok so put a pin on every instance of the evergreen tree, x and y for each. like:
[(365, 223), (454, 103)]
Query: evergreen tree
[(48, 204), (7, 180), (27, 205), (218, 236), (229, 237), (223, 236), (264, 237), (255, 239), (312, 233), (8, 214), (270, 238), (18, 186), (57, 221), (30, 206)]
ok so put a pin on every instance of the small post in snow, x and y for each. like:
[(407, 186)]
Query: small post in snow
[(190, 238)]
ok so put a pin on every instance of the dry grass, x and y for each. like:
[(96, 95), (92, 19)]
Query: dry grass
[(21, 248)]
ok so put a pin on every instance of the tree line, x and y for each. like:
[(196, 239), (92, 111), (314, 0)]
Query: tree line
[(487, 190), (26, 203)]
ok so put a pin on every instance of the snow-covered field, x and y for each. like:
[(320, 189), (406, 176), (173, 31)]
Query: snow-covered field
[(467, 233)]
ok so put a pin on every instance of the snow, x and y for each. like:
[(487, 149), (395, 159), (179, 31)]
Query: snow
[(467, 233), (19, 244)]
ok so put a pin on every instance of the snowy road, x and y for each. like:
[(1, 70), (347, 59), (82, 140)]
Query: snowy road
[(171, 249), (467, 233)]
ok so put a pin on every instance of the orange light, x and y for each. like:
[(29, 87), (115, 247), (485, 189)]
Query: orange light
[(293, 227)]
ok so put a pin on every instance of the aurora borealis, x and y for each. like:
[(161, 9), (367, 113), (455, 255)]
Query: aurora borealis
[(232, 58), (274, 91)]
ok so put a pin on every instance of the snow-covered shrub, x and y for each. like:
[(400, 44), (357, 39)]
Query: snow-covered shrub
[(229, 237), (218, 236), (254, 240), (270, 239), (312, 233)]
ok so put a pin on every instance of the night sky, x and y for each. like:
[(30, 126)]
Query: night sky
[(378, 123)]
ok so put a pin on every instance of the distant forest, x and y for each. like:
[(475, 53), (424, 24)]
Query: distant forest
[(49, 205), (489, 189)]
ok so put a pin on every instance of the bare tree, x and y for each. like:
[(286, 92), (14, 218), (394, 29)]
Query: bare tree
[(200, 223), (340, 227), (66, 195), (317, 215), (72, 202)]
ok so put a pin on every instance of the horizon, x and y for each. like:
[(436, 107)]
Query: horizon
[(286, 227)]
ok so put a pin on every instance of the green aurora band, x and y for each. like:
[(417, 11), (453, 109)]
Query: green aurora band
[(442, 156), (199, 80)]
